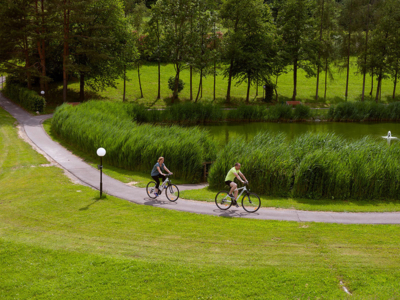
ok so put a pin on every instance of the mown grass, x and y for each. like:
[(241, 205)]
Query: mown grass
[(305, 92), (58, 240)]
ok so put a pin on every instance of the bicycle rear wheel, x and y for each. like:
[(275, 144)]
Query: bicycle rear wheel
[(150, 189), (251, 202), (172, 192), (223, 201)]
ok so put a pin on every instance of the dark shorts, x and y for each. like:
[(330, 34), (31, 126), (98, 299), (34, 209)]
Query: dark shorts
[(228, 183)]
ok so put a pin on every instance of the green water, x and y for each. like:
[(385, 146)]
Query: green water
[(224, 132)]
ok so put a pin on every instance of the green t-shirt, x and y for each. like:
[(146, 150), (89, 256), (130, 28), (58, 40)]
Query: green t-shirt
[(231, 174)]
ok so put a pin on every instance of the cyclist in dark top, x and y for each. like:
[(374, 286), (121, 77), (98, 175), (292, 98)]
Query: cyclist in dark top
[(156, 173)]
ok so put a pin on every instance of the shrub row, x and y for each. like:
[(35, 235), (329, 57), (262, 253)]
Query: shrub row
[(313, 166), (195, 113), (131, 146), (184, 113), (365, 111), (28, 99)]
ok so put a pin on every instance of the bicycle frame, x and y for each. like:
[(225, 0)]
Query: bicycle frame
[(242, 189), (165, 183)]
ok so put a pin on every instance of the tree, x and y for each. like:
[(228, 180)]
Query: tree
[(176, 23), (16, 47), (239, 17), (96, 43), (297, 27)]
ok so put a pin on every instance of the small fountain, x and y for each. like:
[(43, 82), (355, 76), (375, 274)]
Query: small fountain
[(389, 137)]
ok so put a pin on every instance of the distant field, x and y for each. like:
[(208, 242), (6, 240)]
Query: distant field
[(305, 92)]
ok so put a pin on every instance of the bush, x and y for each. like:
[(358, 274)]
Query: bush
[(269, 91), (364, 111), (28, 99), (302, 112), (280, 112), (248, 113), (171, 84), (131, 146)]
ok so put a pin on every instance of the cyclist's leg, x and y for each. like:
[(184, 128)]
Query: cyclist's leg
[(157, 182), (233, 189), (162, 177)]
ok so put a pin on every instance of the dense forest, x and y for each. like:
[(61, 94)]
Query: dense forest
[(251, 41)]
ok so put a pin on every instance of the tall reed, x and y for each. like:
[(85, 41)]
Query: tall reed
[(314, 166), (131, 146), (365, 111)]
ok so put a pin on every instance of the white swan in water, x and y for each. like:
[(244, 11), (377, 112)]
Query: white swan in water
[(389, 136)]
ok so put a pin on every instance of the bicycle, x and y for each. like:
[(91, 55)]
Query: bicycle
[(171, 190), (250, 201)]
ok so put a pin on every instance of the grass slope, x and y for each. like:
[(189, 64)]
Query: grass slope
[(59, 241), (305, 92)]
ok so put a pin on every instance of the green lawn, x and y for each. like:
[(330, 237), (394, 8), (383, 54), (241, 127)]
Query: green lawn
[(59, 241), (305, 92)]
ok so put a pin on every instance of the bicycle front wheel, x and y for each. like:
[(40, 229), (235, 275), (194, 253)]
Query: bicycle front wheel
[(223, 201), (251, 202), (172, 192), (150, 189)]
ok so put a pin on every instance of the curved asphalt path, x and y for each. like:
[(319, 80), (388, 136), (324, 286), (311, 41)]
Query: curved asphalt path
[(32, 125)]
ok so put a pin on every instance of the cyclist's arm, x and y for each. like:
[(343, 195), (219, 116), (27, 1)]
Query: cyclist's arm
[(237, 176), (165, 168), (159, 171), (241, 174)]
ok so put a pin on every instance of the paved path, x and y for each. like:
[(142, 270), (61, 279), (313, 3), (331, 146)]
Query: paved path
[(88, 175)]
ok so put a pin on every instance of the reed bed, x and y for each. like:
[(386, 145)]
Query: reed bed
[(313, 166), (131, 146), (365, 111)]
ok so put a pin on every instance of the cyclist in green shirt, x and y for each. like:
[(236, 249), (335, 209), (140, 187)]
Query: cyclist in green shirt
[(229, 180)]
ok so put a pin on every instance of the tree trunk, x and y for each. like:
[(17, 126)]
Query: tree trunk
[(257, 87), (82, 87), (372, 84), (123, 97), (348, 67), (326, 76), (175, 94), (395, 83), (140, 84), (378, 88), (294, 80), (215, 75), (27, 62), (191, 84), (365, 58), (159, 80), (228, 94), (200, 85), (248, 88), (276, 91), (319, 52), (66, 50)]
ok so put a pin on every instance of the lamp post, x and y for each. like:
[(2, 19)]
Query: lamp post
[(101, 152)]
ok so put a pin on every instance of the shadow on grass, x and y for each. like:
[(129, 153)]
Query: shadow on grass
[(96, 199)]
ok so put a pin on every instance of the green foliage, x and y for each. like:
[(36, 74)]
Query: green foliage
[(171, 84), (183, 113), (280, 112), (313, 166), (248, 113), (302, 112), (365, 111), (131, 146), (26, 98)]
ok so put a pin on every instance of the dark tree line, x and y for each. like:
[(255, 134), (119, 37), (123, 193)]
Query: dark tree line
[(251, 41)]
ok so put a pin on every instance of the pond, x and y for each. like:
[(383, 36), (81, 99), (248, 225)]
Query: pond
[(222, 133)]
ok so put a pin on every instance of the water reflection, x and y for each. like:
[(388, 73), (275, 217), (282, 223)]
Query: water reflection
[(223, 133)]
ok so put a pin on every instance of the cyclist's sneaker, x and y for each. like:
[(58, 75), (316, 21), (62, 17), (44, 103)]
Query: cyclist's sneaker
[(231, 196), (234, 202), (156, 194)]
